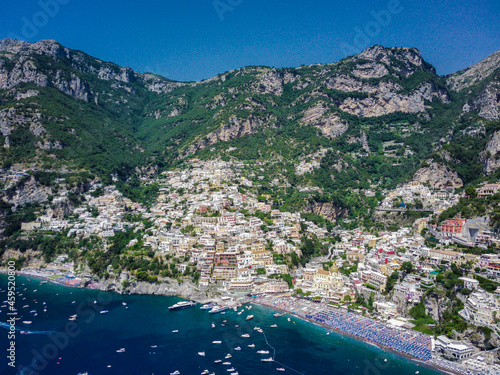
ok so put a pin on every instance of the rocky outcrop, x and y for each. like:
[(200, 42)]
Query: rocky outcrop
[(30, 191), (234, 128), (158, 84), (491, 154), (438, 176), (390, 102), (346, 83), (327, 210), (436, 305), (75, 87), (487, 104), (167, 288), (408, 59), (330, 124), (474, 74), (370, 70), (270, 83), (61, 208)]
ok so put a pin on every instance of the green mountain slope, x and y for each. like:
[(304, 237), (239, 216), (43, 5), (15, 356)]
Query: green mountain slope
[(368, 120)]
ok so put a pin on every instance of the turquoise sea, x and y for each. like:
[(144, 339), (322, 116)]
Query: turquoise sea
[(143, 326)]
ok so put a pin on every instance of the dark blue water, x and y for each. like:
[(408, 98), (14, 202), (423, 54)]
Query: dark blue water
[(53, 345)]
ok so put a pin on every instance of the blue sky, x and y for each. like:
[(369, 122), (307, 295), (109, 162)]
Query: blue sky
[(197, 39)]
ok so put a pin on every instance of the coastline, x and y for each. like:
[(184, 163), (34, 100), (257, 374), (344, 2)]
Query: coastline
[(428, 365), (246, 300)]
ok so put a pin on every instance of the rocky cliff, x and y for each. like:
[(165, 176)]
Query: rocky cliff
[(327, 210), (438, 176), (491, 155)]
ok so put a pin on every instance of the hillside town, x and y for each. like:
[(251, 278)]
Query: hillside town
[(205, 219)]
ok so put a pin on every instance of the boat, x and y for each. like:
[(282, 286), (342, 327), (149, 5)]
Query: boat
[(277, 315), (256, 328), (230, 369), (245, 335), (237, 348), (208, 306), (218, 361), (182, 305), (263, 351), (154, 346), (213, 325), (228, 356), (201, 354), (104, 311), (251, 346), (175, 331), (249, 317), (122, 350), (205, 372), (176, 372), (280, 369), (288, 319), (270, 359), (274, 325), (216, 342), (218, 309), (226, 363), (27, 322), (124, 303)]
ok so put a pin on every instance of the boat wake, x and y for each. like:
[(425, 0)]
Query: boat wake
[(24, 331), (273, 358)]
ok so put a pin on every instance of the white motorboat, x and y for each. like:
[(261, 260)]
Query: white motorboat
[(182, 305), (218, 309)]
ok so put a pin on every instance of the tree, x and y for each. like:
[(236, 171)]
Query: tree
[(407, 267), (347, 298), (471, 192)]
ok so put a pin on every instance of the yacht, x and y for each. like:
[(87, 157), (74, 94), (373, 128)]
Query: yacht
[(182, 305), (208, 306), (216, 342), (263, 352), (201, 354), (122, 350), (245, 335), (218, 309), (251, 346), (237, 348), (270, 359), (249, 317)]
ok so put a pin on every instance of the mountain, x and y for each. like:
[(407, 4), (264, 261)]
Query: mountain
[(369, 120)]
